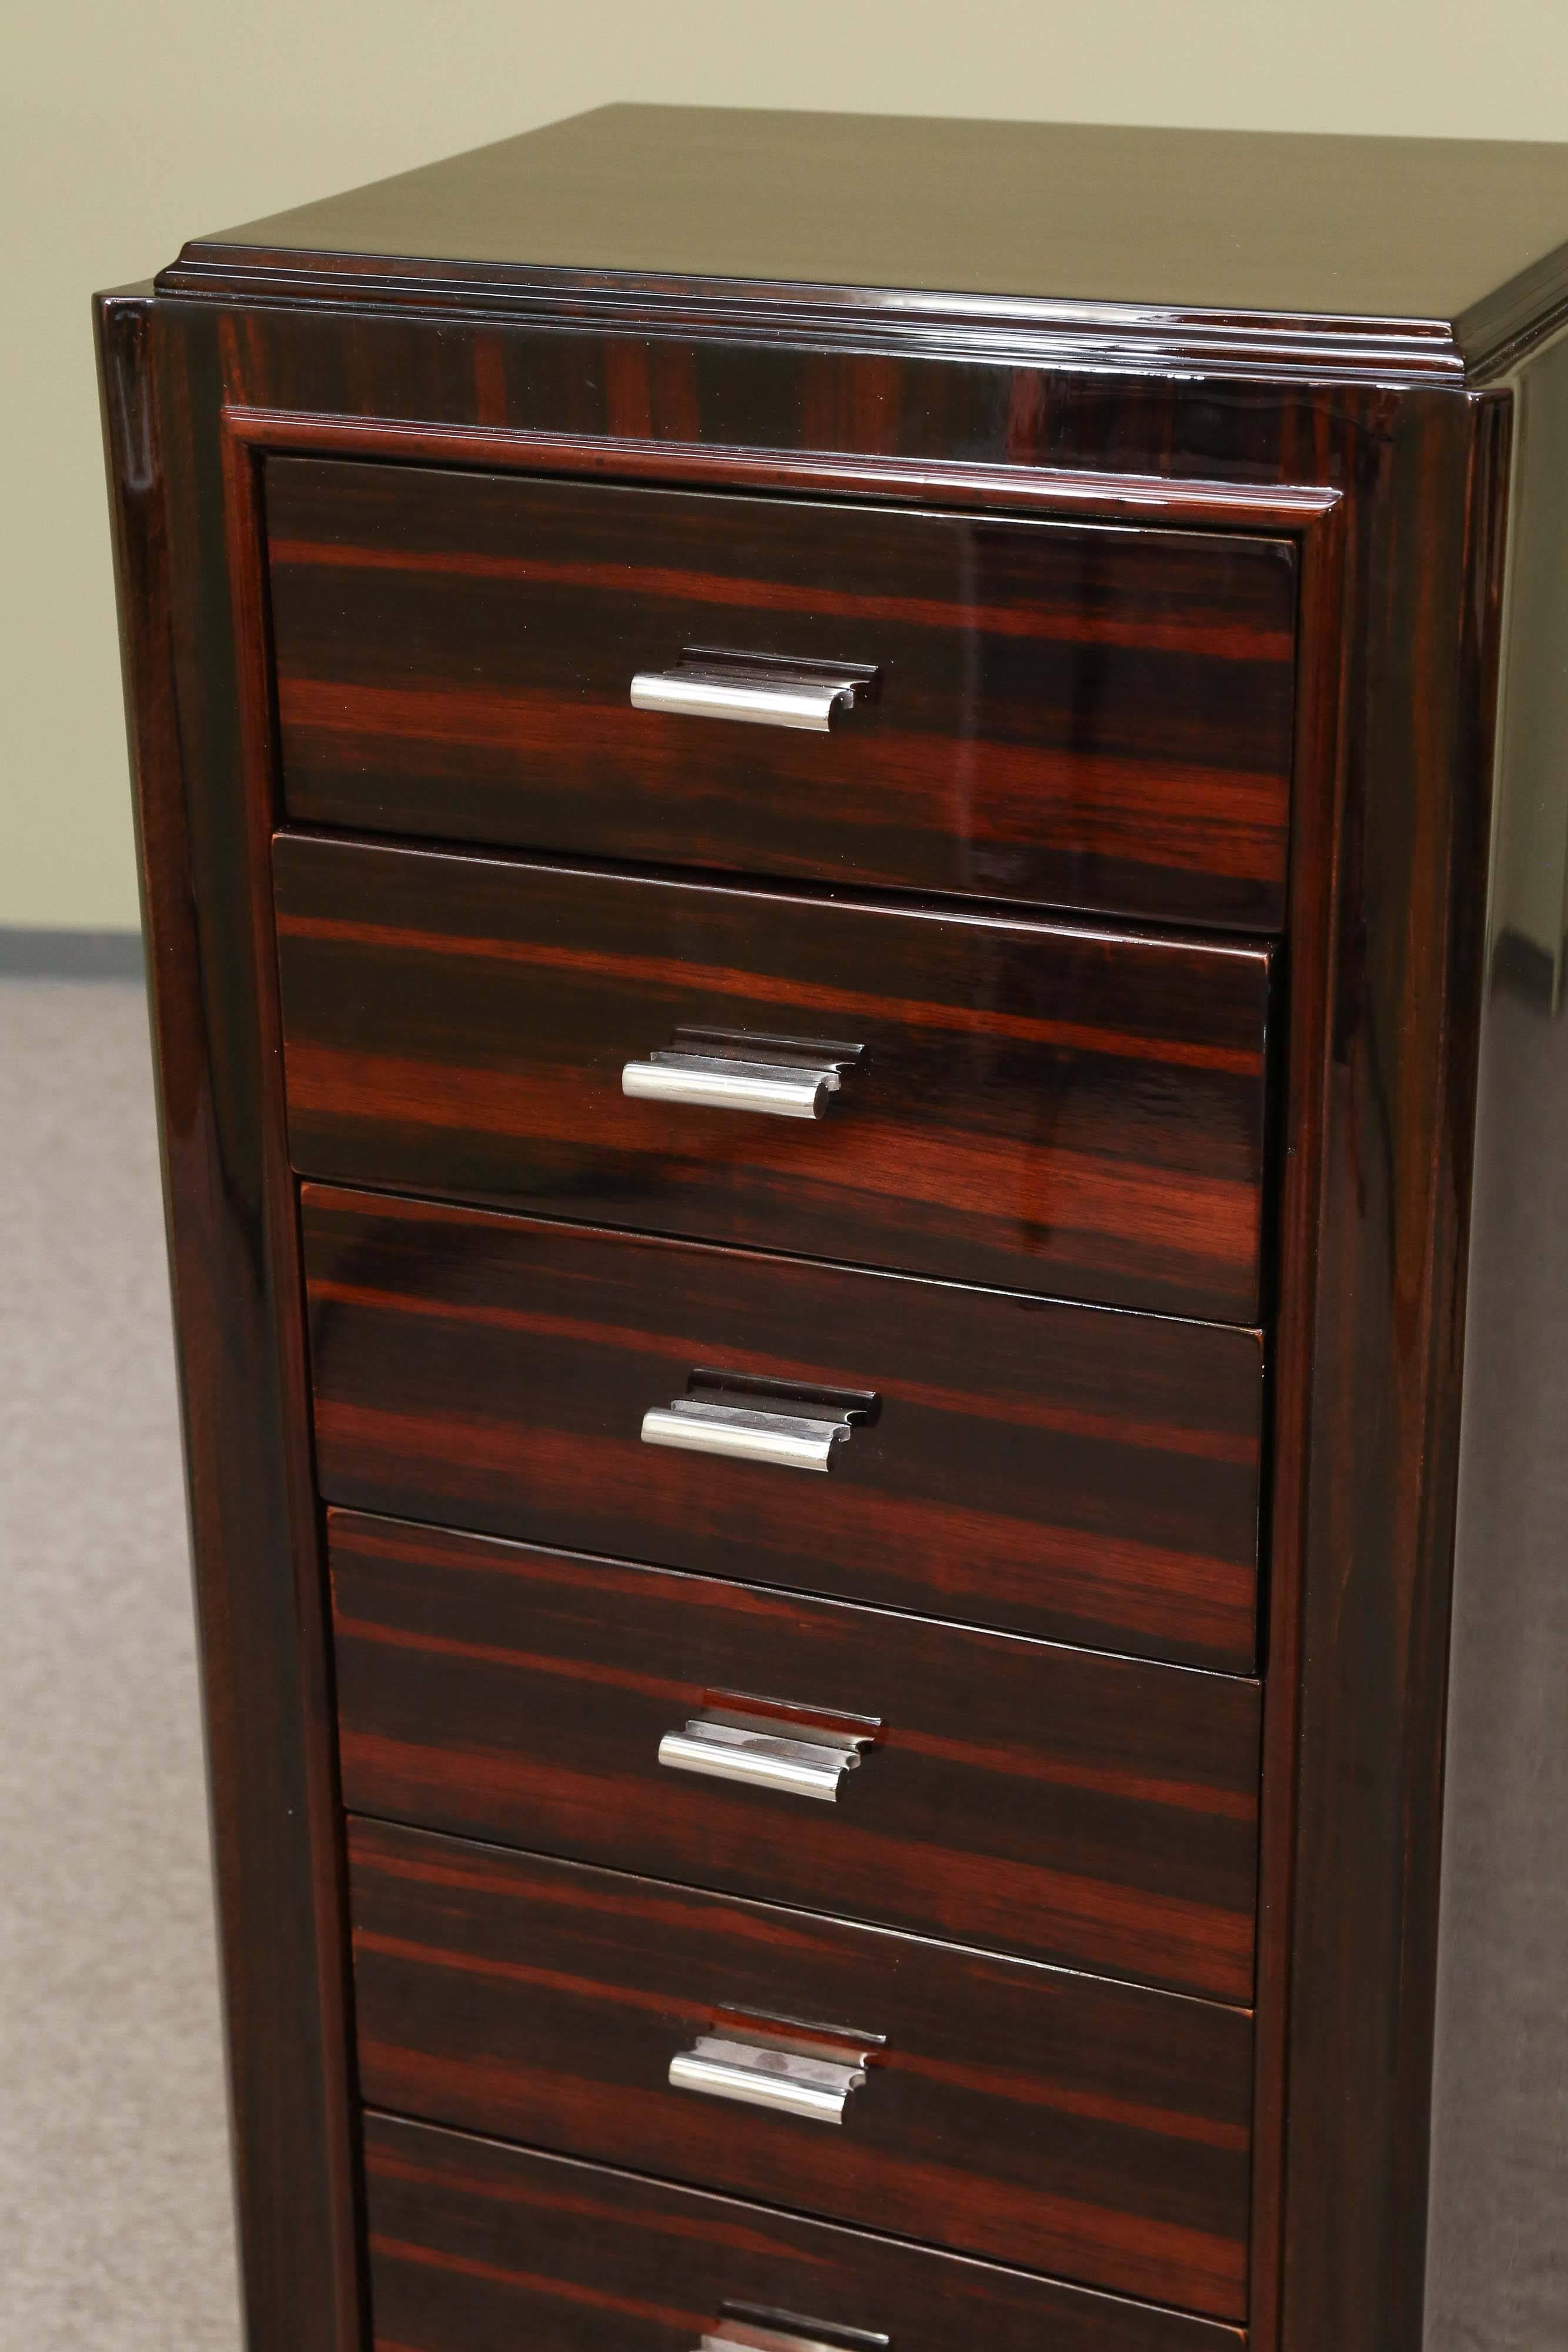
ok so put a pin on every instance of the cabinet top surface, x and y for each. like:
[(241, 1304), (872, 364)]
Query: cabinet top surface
[(1470, 235)]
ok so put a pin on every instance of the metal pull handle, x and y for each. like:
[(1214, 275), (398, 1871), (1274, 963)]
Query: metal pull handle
[(781, 2331), (775, 1086), (764, 2339), (763, 2075), (755, 1420), (757, 689), (792, 1441), (765, 1752), (737, 1069)]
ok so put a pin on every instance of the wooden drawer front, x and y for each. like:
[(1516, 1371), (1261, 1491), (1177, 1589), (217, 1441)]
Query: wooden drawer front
[(1095, 2131), (1074, 715), (1092, 1810), (1038, 1107), (1062, 1471), (479, 2248)]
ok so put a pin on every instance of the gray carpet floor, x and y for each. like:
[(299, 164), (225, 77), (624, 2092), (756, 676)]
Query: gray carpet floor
[(115, 2230)]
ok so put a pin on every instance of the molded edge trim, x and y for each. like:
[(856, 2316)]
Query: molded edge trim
[(1193, 504), (1279, 345)]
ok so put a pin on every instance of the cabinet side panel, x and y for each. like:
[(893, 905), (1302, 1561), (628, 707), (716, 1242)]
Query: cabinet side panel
[(259, 1589), (1498, 2263), (1381, 1423)]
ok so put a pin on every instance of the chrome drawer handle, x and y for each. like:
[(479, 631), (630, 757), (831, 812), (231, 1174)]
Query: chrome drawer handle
[(759, 2075), (778, 1087), (737, 1069), (781, 2331), (779, 1754), (743, 1434), (757, 689)]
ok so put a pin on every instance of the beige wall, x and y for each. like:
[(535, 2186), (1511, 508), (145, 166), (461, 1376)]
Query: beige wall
[(125, 129)]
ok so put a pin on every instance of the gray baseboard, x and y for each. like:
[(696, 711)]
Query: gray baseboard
[(48, 954)]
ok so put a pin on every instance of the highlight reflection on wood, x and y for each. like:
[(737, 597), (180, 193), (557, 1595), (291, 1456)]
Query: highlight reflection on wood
[(1092, 1811), (1032, 2116), (479, 2248), (1184, 559), (1087, 717), (1044, 1107), (1062, 1471)]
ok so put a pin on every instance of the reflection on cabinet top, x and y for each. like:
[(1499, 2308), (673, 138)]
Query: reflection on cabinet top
[(1414, 235)]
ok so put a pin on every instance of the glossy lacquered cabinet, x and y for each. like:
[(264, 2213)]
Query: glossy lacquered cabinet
[(827, 809), (1088, 1810), (1035, 1106), (1065, 1471), (1079, 716), (475, 2246), (1094, 2130)]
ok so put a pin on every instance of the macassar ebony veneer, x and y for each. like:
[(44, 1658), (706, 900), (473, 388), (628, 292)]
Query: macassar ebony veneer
[(1078, 716), (1036, 1106), (856, 875), (1089, 1809), (474, 2245), (1066, 1472), (1092, 2130)]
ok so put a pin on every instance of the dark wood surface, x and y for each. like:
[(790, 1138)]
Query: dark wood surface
[(1050, 1802), (1161, 236), (1291, 424), (1328, 623), (193, 662), (1098, 718), (1038, 1107), (480, 2248), (1378, 1375), (1093, 2131), (1062, 1471)]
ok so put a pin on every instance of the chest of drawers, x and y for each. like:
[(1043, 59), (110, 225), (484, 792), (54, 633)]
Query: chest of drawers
[(855, 853)]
